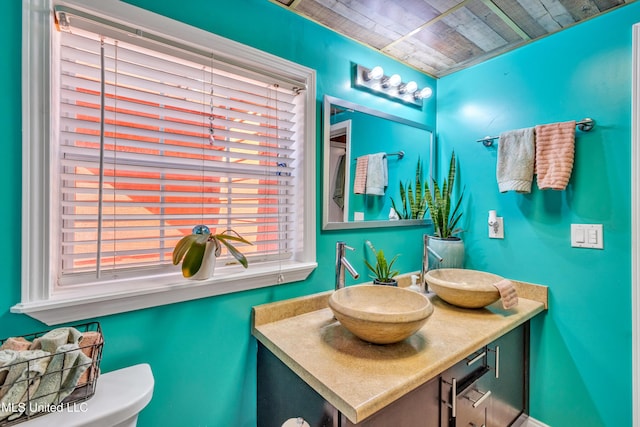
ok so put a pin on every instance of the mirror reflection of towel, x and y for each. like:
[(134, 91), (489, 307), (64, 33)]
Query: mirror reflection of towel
[(377, 178), (338, 189), (360, 180)]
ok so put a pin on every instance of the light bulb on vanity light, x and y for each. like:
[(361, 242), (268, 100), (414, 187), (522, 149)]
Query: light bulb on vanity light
[(424, 93), (376, 73), (393, 81), (409, 88)]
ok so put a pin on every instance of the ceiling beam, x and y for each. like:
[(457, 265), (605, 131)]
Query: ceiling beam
[(495, 9), (426, 24)]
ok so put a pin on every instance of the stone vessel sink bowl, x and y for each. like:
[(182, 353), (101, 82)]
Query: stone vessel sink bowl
[(380, 314), (464, 288)]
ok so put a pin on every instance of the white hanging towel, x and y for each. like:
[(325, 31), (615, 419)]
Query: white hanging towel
[(377, 175), (516, 156)]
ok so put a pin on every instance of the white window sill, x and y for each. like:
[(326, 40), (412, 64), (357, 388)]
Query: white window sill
[(58, 310)]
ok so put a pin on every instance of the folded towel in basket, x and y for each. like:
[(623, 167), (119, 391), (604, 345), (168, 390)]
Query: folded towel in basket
[(14, 343), (7, 357), (22, 380), (49, 386), (23, 362), (55, 338), (516, 155), (88, 344), (60, 378), (77, 363)]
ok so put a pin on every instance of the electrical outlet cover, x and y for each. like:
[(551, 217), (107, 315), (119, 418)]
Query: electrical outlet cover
[(499, 233)]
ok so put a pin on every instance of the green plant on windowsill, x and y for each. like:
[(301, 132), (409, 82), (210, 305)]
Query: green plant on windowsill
[(383, 272), (192, 249)]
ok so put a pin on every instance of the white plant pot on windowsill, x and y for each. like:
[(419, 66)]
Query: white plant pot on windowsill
[(208, 263)]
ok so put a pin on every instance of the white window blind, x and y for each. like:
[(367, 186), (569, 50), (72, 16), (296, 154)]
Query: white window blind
[(121, 159), (150, 144)]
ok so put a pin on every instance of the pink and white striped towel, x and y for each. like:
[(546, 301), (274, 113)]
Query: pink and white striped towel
[(555, 150), (360, 181)]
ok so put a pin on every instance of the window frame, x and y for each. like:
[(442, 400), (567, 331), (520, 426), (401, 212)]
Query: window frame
[(53, 305)]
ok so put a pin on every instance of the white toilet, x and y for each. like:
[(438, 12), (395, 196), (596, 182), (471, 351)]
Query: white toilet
[(120, 396)]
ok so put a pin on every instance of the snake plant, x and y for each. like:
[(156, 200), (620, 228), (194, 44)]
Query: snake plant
[(444, 215), (413, 202)]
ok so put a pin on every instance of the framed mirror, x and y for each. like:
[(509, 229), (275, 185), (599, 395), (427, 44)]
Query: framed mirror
[(366, 155)]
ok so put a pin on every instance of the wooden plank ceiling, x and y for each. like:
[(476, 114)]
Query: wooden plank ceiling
[(443, 36)]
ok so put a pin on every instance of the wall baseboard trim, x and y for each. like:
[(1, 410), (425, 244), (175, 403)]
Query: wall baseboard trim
[(532, 422)]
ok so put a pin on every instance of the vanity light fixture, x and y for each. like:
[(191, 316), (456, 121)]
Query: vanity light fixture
[(375, 81)]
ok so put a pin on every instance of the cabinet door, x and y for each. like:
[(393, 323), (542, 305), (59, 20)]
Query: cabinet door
[(509, 380), (283, 395), (419, 408)]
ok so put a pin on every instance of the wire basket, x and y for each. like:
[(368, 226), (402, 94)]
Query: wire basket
[(41, 382)]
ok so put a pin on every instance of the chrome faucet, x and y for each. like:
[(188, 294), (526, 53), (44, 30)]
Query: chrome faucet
[(426, 250), (342, 263)]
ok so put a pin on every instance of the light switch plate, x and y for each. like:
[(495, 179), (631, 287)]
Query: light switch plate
[(587, 236)]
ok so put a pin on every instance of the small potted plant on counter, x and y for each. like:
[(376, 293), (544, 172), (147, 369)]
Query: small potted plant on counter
[(198, 251), (383, 274)]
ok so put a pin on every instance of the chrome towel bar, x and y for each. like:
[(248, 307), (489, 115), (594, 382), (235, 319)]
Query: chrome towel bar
[(584, 125)]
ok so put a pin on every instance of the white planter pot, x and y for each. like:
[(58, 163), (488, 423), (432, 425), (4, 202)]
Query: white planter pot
[(208, 263)]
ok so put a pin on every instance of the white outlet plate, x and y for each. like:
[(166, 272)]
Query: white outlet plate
[(587, 236), (499, 233)]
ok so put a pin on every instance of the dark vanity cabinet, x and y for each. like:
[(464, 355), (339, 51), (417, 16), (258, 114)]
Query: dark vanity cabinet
[(488, 388)]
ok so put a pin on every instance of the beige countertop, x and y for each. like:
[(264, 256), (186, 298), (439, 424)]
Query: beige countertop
[(359, 378)]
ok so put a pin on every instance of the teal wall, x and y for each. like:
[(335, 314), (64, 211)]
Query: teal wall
[(581, 351), (201, 352)]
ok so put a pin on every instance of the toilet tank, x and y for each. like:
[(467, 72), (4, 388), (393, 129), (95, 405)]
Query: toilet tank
[(120, 396)]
